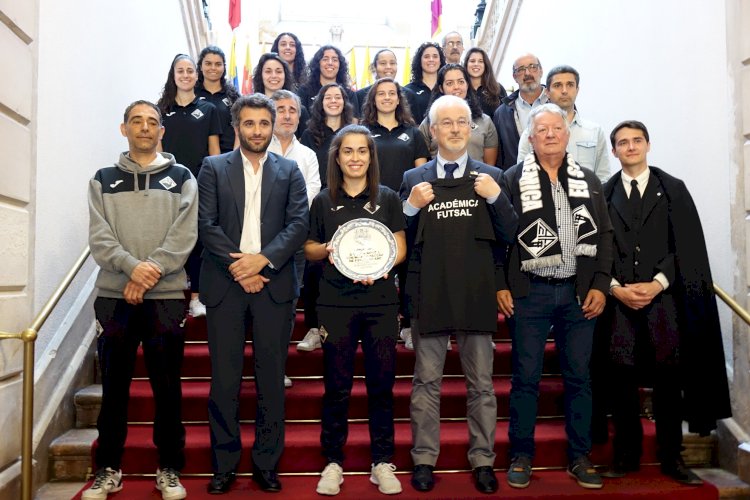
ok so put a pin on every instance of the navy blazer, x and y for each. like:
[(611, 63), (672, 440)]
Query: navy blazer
[(283, 227)]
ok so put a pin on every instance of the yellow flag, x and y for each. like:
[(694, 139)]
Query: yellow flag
[(353, 69), (406, 78), (367, 76)]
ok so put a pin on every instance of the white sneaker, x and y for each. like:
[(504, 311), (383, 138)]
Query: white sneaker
[(106, 481), (493, 344), (197, 309), (287, 382), (168, 482), (330, 480), (406, 337), (382, 475), (450, 347), (311, 341)]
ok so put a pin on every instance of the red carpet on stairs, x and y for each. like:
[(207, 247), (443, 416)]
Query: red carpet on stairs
[(647, 484), (303, 408)]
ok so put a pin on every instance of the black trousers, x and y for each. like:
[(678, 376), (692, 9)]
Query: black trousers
[(377, 329), (227, 323), (310, 292), (157, 325), (626, 413)]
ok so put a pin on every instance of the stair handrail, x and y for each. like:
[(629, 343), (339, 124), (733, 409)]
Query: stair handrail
[(733, 305), (28, 336)]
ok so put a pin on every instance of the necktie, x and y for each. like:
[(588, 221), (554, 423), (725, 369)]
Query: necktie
[(635, 202), (449, 169)]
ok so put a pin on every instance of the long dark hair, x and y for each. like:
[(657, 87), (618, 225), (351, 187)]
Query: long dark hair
[(335, 176), (258, 85), (471, 95), (492, 91), (169, 92), (226, 86), (317, 123), (312, 85), (370, 111), (416, 61), (300, 66)]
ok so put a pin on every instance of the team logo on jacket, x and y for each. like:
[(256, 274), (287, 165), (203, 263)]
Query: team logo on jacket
[(116, 183), (168, 183), (197, 114), (584, 223), (369, 208), (227, 102), (537, 238), (404, 137)]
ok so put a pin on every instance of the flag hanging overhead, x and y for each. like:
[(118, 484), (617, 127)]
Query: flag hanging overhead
[(437, 13), (367, 75), (233, 64), (353, 69), (235, 13), (406, 78), (247, 74)]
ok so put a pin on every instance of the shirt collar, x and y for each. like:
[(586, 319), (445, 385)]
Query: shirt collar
[(642, 178), (462, 161), (247, 164)]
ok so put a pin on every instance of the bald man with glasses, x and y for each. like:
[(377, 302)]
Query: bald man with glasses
[(512, 115)]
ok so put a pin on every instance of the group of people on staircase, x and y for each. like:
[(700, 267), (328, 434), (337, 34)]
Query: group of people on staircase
[(495, 203)]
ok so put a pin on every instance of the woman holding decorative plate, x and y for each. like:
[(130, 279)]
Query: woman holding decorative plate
[(357, 228)]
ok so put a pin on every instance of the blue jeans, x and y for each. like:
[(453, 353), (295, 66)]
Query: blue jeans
[(550, 305)]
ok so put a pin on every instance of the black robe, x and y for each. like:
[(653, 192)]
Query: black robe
[(701, 353)]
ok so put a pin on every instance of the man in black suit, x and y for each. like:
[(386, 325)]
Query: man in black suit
[(253, 215), (456, 213), (661, 328)]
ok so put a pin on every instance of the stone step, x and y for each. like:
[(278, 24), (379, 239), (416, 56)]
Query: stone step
[(70, 455)]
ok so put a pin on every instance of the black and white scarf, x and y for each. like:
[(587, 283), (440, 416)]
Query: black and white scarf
[(538, 241)]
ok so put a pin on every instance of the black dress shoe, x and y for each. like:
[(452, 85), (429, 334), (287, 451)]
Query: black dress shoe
[(680, 473), (268, 480), (221, 482), (484, 479), (620, 468), (421, 478)]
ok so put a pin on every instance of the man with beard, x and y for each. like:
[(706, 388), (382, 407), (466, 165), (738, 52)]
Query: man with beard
[(252, 217), (513, 114), (453, 47)]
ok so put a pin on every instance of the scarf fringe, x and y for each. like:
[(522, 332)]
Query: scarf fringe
[(585, 249), (549, 261)]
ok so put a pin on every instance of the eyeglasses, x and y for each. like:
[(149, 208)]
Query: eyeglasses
[(449, 124), (454, 44), (523, 69)]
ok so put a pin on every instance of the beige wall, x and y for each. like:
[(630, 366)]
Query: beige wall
[(70, 69)]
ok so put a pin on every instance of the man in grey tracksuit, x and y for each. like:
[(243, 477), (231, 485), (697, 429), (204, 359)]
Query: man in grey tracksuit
[(143, 224)]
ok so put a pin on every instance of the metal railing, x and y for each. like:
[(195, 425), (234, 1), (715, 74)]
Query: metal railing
[(733, 305), (28, 336)]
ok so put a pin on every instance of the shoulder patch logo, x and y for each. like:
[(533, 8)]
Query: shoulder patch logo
[(369, 208), (537, 238), (167, 182), (116, 183), (197, 114), (404, 137), (227, 102), (584, 222)]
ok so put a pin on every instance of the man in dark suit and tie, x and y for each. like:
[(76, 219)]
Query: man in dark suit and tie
[(457, 219), (253, 216), (660, 328)]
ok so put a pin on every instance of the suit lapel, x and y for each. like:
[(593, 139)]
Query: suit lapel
[(236, 178), (652, 196), (429, 171), (270, 172), (620, 203)]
